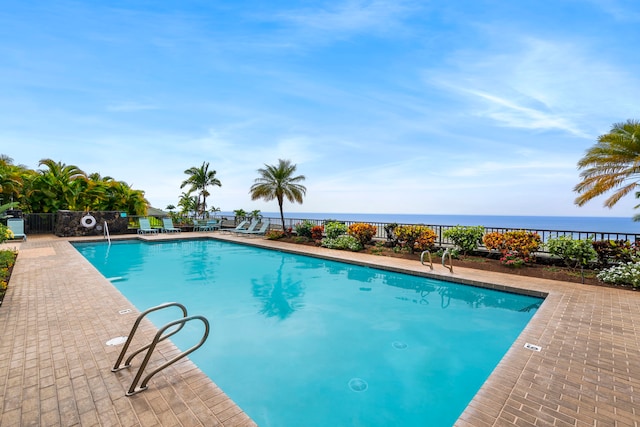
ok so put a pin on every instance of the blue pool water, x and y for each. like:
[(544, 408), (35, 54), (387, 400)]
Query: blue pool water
[(298, 341)]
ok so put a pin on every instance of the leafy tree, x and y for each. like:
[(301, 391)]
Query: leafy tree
[(278, 182), (612, 163), (56, 187), (188, 203), (199, 179)]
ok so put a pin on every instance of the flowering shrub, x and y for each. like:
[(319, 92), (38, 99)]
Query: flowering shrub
[(513, 260), (335, 229), (274, 234), (5, 233), (466, 238), (494, 241), (342, 242), (303, 229), (415, 237), (363, 232), (623, 274), (316, 232)]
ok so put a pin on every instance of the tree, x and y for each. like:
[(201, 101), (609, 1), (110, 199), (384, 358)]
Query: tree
[(612, 163), (277, 182), (199, 179)]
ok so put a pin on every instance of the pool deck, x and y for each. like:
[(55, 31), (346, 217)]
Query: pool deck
[(59, 312)]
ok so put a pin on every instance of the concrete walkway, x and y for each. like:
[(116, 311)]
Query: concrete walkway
[(59, 312)]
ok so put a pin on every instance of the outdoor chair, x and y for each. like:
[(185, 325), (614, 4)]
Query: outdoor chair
[(167, 226), (248, 230), (241, 226), (145, 227), (261, 231), (16, 225)]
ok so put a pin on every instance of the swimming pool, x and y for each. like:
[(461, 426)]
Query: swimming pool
[(297, 340)]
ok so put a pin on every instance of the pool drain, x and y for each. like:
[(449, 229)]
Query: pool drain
[(399, 345), (358, 385)]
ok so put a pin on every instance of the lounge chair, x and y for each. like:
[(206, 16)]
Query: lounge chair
[(262, 230), (250, 229), (145, 227), (16, 225), (241, 226), (167, 226)]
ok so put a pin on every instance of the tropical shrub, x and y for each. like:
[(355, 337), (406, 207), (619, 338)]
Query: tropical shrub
[(521, 242), (626, 274), (363, 232), (316, 232), (574, 253), (415, 237), (334, 229), (513, 260), (614, 251), (303, 229), (494, 241), (342, 242), (7, 259), (466, 238), (275, 234), (5, 233)]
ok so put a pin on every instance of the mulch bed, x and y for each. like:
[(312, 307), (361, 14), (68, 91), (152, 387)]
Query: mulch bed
[(484, 262)]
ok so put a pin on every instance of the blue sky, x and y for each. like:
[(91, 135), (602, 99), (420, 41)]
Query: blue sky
[(427, 107)]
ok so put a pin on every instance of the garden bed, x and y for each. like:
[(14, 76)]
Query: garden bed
[(486, 262)]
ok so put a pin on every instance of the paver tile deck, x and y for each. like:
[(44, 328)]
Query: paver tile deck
[(59, 312)]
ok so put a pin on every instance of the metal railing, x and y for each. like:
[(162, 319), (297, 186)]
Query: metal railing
[(44, 223)]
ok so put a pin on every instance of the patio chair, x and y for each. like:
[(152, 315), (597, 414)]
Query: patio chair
[(16, 225), (250, 229), (200, 225), (262, 230), (214, 224), (241, 226), (167, 226), (145, 227)]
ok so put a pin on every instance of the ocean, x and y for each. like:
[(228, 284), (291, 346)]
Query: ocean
[(622, 225)]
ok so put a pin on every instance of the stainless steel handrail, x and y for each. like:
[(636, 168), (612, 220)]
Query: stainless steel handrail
[(105, 232), (430, 260), (450, 266), (159, 337), (134, 328)]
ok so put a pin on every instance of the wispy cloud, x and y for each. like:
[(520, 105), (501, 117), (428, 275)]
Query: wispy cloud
[(351, 16), (540, 85), (129, 107)]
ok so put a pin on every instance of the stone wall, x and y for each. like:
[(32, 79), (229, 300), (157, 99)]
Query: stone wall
[(73, 223)]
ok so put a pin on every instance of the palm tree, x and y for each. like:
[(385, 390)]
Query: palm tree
[(199, 179), (277, 182), (614, 162)]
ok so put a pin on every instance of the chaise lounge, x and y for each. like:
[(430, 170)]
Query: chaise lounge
[(16, 225)]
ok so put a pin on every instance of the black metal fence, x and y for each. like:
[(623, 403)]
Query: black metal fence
[(44, 223)]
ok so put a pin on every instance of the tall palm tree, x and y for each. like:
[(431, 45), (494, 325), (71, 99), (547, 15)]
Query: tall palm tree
[(614, 162), (277, 182), (199, 179)]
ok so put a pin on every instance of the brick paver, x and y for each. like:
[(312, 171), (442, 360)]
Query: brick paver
[(59, 313)]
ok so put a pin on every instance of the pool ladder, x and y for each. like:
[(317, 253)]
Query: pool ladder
[(160, 336), (444, 255)]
